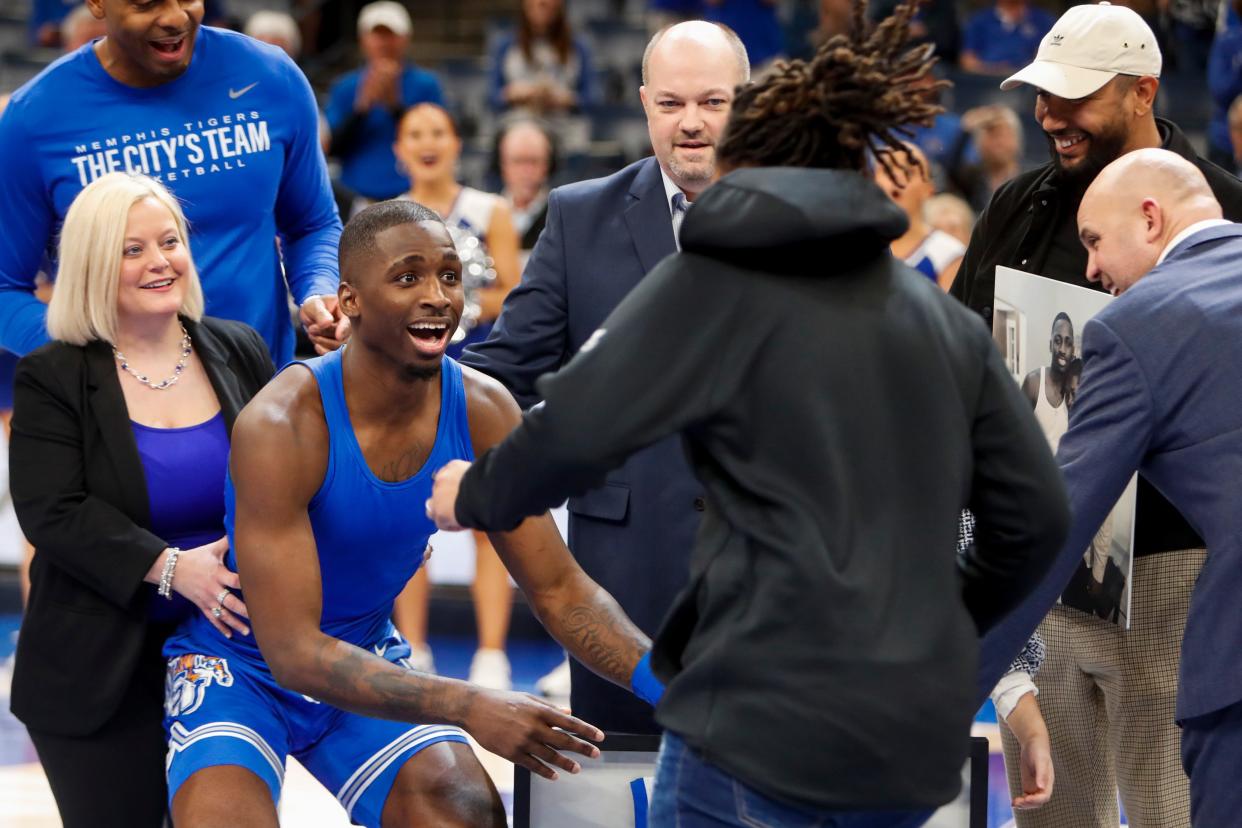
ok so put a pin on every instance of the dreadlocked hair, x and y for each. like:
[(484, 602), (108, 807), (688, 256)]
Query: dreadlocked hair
[(857, 97)]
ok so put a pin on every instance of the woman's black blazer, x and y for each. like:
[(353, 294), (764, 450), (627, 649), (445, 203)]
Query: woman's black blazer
[(81, 497)]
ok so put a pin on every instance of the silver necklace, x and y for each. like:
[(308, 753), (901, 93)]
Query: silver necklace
[(164, 384)]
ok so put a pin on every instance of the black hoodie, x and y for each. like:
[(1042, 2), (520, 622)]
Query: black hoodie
[(840, 411)]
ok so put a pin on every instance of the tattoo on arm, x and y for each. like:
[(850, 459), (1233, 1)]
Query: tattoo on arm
[(356, 680), (603, 638)]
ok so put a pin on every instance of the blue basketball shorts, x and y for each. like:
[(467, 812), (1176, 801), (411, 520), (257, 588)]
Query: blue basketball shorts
[(226, 709)]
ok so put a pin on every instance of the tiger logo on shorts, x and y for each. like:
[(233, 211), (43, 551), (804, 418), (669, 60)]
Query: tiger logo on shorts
[(187, 680)]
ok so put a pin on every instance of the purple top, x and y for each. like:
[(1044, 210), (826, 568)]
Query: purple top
[(184, 468)]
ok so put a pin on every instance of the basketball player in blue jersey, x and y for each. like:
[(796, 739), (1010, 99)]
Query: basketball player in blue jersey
[(332, 464)]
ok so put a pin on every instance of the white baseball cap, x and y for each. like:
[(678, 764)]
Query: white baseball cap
[(1089, 46), (386, 13)]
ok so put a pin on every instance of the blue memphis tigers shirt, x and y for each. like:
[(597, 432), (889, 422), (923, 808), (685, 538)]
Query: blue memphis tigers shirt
[(235, 138)]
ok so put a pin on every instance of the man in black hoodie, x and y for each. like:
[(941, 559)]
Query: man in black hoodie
[(1107, 693), (840, 410)]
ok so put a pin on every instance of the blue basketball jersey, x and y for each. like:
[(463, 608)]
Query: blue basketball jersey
[(369, 534)]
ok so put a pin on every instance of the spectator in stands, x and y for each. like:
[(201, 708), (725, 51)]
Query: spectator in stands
[(364, 105), (1224, 75), (1192, 29), (46, 19), (950, 214), (936, 23), (1002, 38), (429, 146), (278, 29), (542, 68), (526, 158), (1235, 136), (80, 27), (235, 138), (940, 141), (118, 464), (931, 252), (664, 13), (756, 23), (996, 135)]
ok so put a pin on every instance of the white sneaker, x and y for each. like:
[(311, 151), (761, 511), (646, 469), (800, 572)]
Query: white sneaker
[(556, 683), (490, 669), (421, 659)]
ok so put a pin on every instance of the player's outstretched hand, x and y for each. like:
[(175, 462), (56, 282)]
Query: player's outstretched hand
[(529, 731), (442, 505)]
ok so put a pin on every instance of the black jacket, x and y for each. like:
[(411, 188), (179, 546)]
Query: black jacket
[(840, 410), (81, 497), (1017, 229)]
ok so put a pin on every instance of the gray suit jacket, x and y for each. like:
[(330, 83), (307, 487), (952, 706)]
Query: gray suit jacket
[(1161, 394)]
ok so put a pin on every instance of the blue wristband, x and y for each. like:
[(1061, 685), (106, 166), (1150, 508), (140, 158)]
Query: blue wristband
[(644, 682)]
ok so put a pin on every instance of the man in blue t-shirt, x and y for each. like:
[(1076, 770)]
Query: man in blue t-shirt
[(1003, 38), (225, 122), (365, 105)]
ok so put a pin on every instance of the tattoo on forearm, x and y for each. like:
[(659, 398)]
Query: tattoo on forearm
[(602, 637), (356, 680)]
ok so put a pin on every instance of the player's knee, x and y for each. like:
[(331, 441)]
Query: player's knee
[(471, 803), (456, 794)]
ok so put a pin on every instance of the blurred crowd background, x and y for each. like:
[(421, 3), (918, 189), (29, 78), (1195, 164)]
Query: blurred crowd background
[(575, 67)]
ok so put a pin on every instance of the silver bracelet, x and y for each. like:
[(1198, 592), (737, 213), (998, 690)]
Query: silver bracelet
[(170, 569)]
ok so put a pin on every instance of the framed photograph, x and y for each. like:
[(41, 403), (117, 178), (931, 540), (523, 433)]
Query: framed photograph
[(614, 789), (1037, 325)]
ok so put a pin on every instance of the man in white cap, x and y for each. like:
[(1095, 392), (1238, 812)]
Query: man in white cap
[(1107, 693), (365, 105)]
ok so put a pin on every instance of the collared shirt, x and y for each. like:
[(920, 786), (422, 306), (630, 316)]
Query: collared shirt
[(524, 218), (678, 216), (1187, 233)]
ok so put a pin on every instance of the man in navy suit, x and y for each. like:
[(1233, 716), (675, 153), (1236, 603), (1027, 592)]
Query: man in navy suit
[(634, 534), (1161, 394)]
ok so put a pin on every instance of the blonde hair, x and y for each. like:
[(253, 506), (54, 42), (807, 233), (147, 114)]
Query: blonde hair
[(92, 242)]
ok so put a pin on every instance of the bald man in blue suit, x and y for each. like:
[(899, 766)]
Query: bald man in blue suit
[(1161, 394), (634, 534)]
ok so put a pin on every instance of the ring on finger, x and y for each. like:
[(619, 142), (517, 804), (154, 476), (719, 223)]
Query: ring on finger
[(224, 593), (216, 612)]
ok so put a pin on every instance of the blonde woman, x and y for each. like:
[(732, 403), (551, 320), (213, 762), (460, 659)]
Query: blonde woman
[(120, 441)]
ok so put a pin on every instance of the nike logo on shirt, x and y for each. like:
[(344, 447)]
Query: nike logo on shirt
[(237, 93)]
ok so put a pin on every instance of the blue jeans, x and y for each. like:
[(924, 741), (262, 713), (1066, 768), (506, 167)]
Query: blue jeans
[(690, 793)]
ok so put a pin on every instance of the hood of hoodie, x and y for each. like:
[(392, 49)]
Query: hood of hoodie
[(774, 218)]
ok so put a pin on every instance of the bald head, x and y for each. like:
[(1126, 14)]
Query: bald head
[(698, 35), (1135, 207), (525, 156), (1159, 174)]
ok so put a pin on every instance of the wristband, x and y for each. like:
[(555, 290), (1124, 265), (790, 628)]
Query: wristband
[(644, 682)]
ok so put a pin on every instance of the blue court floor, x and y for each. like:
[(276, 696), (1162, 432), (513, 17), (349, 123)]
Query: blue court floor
[(25, 801)]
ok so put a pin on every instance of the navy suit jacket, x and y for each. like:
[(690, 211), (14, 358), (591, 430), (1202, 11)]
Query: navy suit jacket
[(634, 534), (1161, 394)]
